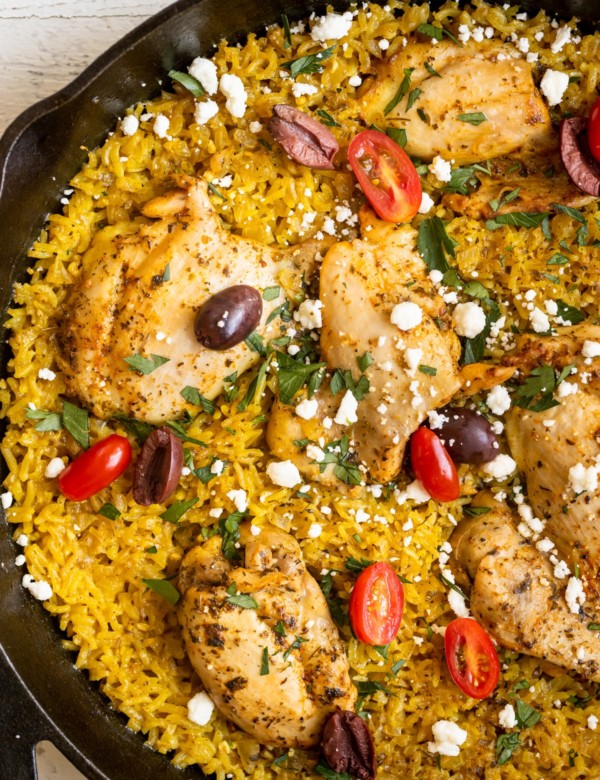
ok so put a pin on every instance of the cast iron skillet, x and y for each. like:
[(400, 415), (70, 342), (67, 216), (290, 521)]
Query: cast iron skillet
[(42, 695)]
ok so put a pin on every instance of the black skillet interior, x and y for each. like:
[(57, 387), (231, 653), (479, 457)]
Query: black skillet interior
[(43, 696)]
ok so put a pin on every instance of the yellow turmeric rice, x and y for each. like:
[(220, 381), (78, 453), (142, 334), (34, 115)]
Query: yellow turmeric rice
[(124, 635)]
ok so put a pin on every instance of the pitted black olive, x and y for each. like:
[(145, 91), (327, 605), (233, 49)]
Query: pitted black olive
[(467, 435), (158, 467), (228, 317)]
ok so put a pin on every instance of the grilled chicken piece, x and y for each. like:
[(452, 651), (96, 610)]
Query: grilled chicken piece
[(515, 595), (126, 303), (308, 669), (547, 444), (361, 282), (532, 178), (473, 79)]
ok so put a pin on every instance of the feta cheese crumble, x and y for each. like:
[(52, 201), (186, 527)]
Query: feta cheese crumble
[(498, 400), (507, 717), (217, 467), (314, 452), (40, 590), (539, 320), (307, 408), (205, 111), (331, 27), (284, 473), (500, 468), (54, 468), (590, 349), (469, 319), (239, 498), (346, 413), (553, 85), (308, 314), (448, 737), (200, 708), (314, 531), (205, 71), (406, 315), (583, 479), (574, 594), (355, 81), (592, 722), (130, 124), (233, 88), (299, 89), (426, 203), (6, 499), (441, 169), (161, 126), (563, 36)]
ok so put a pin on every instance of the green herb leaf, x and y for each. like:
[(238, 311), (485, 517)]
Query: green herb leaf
[(521, 685), (48, 421), (164, 589), (145, 365), (506, 197), (287, 35), (270, 293), (571, 212), (476, 118), (205, 473), (254, 388), (429, 370), (364, 361), (294, 646), (140, 430), (383, 650), (189, 82), (110, 511), (413, 97), (357, 566), (536, 393), (328, 773), (593, 626), (195, 397), (77, 422), (230, 390), (462, 180), (579, 702), (402, 90), (368, 687), (229, 528), (292, 375), (327, 119), (242, 600), (517, 219), (256, 343), (280, 760), (557, 259), (506, 744), (216, 191), (569, 314), (152, 549), (475, 511), (431, 70), (279, 628), (397, 665), (166, 277), (526, 716), (437, 33), (434, 243), (453, 586), (398, 136), (177, 510), (310, 63), (282, 311), (264, 662)]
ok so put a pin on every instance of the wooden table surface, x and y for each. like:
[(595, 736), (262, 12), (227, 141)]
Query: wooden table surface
[(43, 45)]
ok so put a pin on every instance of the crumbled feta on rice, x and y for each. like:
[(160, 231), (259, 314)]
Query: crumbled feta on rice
[(239, 498), (255, 127), (355, 81), (500, 468), (539, 320), (308, 314), (161, 126), (426, 203), (205, 71), (554, 85), (441, 169), (284, 473), (47, 374), (458, 604), (448, 738), (314, 531), (307, 409), (39, 589), (406, 315), (414, 492), (563, 36), (299, 89), (200, 708), (331, 27), (54, 468), (130, 125), (6, 499), (592, 722), (507, 717), (590, 349), (217, 467), (205, 111), (346, 413), (469, 319), (233, 88), (498, 400)]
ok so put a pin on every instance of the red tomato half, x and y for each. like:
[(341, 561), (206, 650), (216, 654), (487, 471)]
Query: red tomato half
[(386, 174), (594, 130), (95, 468), (433, 466), (471, 657), (376, 604)]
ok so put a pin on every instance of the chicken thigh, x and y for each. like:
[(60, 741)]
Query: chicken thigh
[(138, 296), (275, 666)]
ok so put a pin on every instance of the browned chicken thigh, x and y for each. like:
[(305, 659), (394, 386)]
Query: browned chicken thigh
[(290, 625)]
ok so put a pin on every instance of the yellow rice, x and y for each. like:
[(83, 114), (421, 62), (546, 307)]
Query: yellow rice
[(123, 634)]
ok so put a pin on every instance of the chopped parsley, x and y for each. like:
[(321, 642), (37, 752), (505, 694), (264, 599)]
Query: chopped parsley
[(536, 393), (327, 119), (402, 91), (357, 566), (364, 361), (215, 191), (506, 744), (229, 528), (431, 70), (570, 314), (506, 197), (437, 32), (242, 600), (264, 662), (310, 63), (279, 628), (429, 370), (398, 135), (256, 343), (164, 589), (196, 398), (292, 375), (434, 244), (270, 293), (177, 510), (294, 646), (145, 365), (412, 98), (517, 219), (47, 421), (188, 81), (476, 118), (75, 420), (287, 34), (110, 511)]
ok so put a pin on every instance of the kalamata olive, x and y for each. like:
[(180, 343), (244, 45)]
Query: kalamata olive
[(348, 745), (581, 166), (158, 467), (228, 317), (467, 435)]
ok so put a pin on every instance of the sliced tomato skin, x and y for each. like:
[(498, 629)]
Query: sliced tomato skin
[(95, 468), (433, 466), (387, 176), (376, 604), (594, 130), (471, 657)]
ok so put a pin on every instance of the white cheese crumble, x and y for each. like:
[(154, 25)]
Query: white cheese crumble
[(308, 314), (590, 349), (130, 124), (216, 512), (458, 604), (239, 498), (205, 111), (331, 27), (200, 708), (574, 594), (523, 45), (468, 319), (539, 320), (384, 44), (592, 722), (161, 126), (22, 540), (414, 492), (448, 738), (498, 400), (54, 467), (217, 467), (406, 315), (284, 473), (20, 560), (40, 590), (413, 357), (255, 530), (507, 717), (314, 531), (6, 499), (567, 388), (255, 127), (563, 36), (233, 88), (307, 408), (314, 452), (426, 203), (553, 85), (225, 183), (299, 89), (583, 479), (441, 169), (355, 81), (346, 414), (205, 71), (500, 468)]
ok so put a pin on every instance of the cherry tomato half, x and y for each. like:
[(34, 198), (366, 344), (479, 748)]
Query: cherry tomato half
[(594, 130), (471, 657), (95, 468), (385, 172), (433, 466), (376, 604)]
